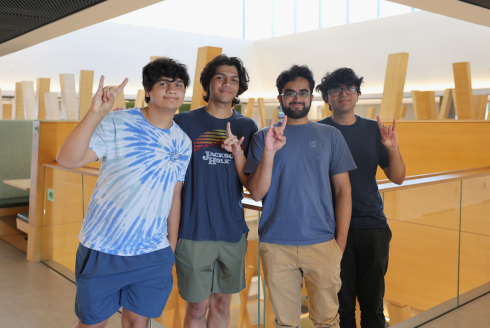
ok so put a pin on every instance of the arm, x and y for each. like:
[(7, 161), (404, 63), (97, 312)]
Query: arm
[(259, 182), (343, 207), (173, 219), (75, 151), (396, 170)]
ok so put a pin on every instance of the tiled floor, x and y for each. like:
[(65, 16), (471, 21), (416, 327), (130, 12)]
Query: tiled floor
[(472, 315)]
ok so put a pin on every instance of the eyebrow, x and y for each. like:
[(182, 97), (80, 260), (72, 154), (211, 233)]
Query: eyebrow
[(223, 74), (165, 79), (291, 90)]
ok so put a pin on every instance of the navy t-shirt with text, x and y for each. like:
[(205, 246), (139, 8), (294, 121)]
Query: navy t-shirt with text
[(364, 141), (212, 193)]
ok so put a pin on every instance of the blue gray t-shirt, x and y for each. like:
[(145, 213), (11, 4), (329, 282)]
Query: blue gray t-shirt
[(212, 195), (298, 208), (364, 141)]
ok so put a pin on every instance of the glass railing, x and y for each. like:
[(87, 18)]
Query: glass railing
[(438, 253)]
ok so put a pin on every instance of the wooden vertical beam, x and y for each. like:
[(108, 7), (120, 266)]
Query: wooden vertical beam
[(1, 105), (52, 106), (68, 97), (140, 99), (152, 58), (396, 72), (275, 115), (29, 100), (42, 86), (463, 90), (8, 112), (250, 107), (446, 102), (204, 56), (85, 88), (371, 113), (262, 112), (18, 102), (424, 105), (480, 102), (403, 114)]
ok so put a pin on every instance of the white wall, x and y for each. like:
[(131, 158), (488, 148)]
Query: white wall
[(434, 42)]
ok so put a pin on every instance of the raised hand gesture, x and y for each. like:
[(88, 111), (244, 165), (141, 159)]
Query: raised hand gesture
[(388, 133), (274, 139), (105, 97), (231, 143)]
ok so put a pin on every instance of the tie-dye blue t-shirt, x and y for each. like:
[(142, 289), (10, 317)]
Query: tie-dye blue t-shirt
[(139, 167)]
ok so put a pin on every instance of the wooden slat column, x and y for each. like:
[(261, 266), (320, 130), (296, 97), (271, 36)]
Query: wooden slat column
[(42, 87), (68, 97), (29, 100), (446, 102), (140, 99), (18, 102), (371, 113), (463, 91), (396, 72), (480, 103), (204, 56), (85, 88), (424, 105)]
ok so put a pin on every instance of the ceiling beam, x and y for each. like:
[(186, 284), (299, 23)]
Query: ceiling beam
[(90, 16)]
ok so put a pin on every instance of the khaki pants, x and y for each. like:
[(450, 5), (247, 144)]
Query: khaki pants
[(284, 269)]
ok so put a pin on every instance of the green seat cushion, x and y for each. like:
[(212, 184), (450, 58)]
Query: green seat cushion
[(23, 216), (14, 202)]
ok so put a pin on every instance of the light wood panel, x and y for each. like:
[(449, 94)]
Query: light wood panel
[(250, 107), (1, 105), (262, 112), (19, 102), (396, 71), (7, 111), (52, 106), (480, 106), (42, 86), (446, 102), (140, 99), (152, 58), (371, 113), (463, 102), (424, 105), (29, 100), (85, 86), (69, 102), (204, 56), (275, 115), (403, 114)]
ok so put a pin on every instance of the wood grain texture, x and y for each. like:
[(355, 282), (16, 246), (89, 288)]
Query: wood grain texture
[(52, 106), (262, 111), (204, 56), (68, 97), (275, 114), (446, 103), (250, 107), (85, 88), (19, 102), (403, 114), (463, 102), (394, 84), (7, 111), (29, 100), (424, 105), (371, 113), (140, 99), (42, 87), (480, 106)]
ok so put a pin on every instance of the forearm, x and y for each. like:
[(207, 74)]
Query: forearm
[(259, 183), (343, 212), (240, 161), (396, 169), (173, 222), (74, 148)]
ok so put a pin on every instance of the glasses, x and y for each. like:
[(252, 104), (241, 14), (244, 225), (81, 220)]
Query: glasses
[(337, 91), (290, 94)]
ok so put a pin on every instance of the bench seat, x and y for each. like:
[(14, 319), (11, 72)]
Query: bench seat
[(23, 216), (14, 202)]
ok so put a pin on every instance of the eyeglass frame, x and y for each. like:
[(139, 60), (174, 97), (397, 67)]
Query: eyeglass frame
[(344, 90), (294, 94)]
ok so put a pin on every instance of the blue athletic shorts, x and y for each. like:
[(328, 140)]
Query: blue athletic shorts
[(105, 282)]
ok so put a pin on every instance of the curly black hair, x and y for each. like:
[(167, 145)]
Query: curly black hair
[(340, 77), (291, 74), (167, 67), (210, 69)]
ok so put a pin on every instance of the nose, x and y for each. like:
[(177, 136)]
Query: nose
[(296, 97), (171, 88)]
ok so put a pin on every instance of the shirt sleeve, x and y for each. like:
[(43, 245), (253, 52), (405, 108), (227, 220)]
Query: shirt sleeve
[(103, 134), (340, 159), (188, 154), (253, 130), (255, 152)]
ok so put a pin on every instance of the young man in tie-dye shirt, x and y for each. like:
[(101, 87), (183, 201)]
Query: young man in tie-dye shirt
[(128, 235)]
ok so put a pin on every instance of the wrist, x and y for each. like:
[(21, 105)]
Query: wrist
[(238, 154)]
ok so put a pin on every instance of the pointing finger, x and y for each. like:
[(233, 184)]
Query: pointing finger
[(120, 88), (228, 130), (394, 125), (101, 86), (241, 140), (283, 125), (272, 124)]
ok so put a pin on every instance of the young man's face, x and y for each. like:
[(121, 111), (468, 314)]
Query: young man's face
[(343, 102), (224, 85), (296, 106), (168, 93)]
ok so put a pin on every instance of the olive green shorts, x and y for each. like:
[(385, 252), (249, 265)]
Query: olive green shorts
[(208, 266)]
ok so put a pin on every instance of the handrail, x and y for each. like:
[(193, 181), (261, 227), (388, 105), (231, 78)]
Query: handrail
[(383, 185)]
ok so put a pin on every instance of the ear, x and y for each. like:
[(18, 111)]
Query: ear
[(280, 99), (326, 100)]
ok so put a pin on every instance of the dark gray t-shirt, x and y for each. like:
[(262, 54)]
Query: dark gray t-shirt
[(298, 208)]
